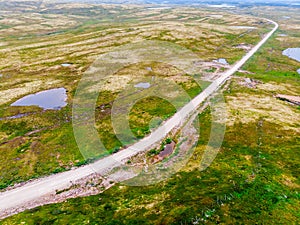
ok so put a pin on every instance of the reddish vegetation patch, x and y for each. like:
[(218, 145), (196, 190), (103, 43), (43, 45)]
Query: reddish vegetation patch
[(167, 151)]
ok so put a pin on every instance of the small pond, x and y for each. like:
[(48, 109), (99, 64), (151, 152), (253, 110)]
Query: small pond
[(49, 99), (222, 61), (298, 71), (293, 53), (143, 85)]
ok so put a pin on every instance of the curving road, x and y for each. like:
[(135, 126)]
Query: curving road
[(16, 198)]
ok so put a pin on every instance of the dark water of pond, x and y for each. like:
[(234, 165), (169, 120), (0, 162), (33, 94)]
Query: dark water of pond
[(49, 99)]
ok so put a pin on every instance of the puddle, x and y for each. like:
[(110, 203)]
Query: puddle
[(149, 68), (1, 75), (282, 35), (66, 64), (293, 53), (49, 99), (222, 61), (143, 85)]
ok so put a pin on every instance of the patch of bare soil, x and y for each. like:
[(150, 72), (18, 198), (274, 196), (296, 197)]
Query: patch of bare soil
[(249, 83), (213, 70), (292, 99), (168, 150)]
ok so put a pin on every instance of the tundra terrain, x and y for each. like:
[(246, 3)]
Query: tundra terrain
[(255, 176)]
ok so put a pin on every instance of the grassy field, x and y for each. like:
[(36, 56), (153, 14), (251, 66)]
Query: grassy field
[(253, 180)]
